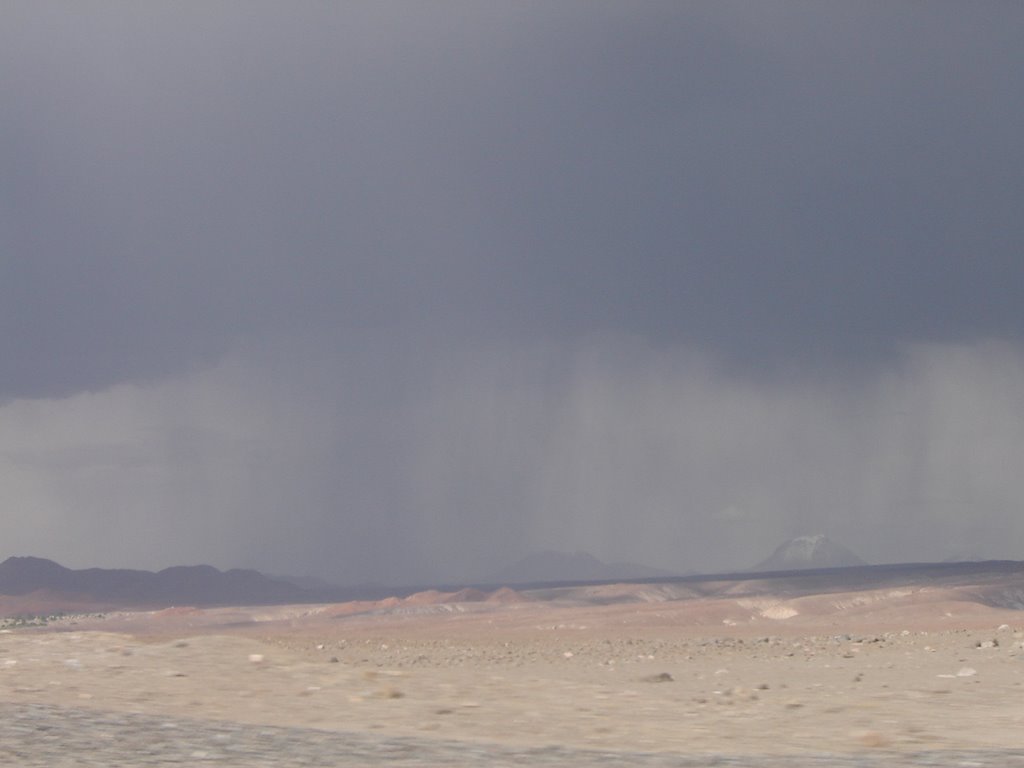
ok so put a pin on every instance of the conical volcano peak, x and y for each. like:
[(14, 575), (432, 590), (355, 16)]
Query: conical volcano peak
[(809, 551)]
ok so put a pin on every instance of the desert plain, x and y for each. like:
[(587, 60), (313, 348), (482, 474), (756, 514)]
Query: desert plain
[(797, 666)]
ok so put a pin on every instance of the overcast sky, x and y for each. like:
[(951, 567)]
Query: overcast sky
[(405, 291)]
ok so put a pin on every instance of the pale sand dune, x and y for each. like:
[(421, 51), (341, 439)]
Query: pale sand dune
[(902, 669)]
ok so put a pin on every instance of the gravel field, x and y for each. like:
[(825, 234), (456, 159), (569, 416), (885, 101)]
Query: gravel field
[(914, 676), (41, 735)]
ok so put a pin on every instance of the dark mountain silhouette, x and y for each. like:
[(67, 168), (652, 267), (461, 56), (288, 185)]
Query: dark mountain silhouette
[(178, 585), (21, 575), (551, 567), (807, 552)]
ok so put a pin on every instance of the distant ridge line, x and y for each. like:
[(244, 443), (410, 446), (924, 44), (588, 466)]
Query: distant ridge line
[(206, 586), (177, 585)]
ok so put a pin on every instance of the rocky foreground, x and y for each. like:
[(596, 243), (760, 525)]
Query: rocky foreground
[(393, 692), (39, 735), (614, 675)]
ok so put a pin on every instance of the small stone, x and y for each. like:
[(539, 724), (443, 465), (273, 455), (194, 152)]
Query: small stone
[(255, 658), (966, 672), (874, 739), (661, 677)]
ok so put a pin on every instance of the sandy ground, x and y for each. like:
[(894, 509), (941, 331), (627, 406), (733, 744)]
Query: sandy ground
[(855, 672)]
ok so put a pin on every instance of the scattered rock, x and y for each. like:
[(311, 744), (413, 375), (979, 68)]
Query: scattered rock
[(873, 739), (661, 677)]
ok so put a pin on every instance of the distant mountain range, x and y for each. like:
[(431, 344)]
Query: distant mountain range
[(806, 552), (204, 585), (180, 585), (551, 567)]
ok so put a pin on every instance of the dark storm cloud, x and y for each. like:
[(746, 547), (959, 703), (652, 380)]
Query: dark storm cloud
[(768, 181), (401, 291)]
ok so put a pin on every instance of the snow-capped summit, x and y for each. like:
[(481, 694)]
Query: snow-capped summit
[(803, 552)]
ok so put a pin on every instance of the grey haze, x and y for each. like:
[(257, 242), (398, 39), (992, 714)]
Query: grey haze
[(405, 291)]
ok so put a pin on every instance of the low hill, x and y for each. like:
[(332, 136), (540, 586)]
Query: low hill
[(179, 585), (550, 567)]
